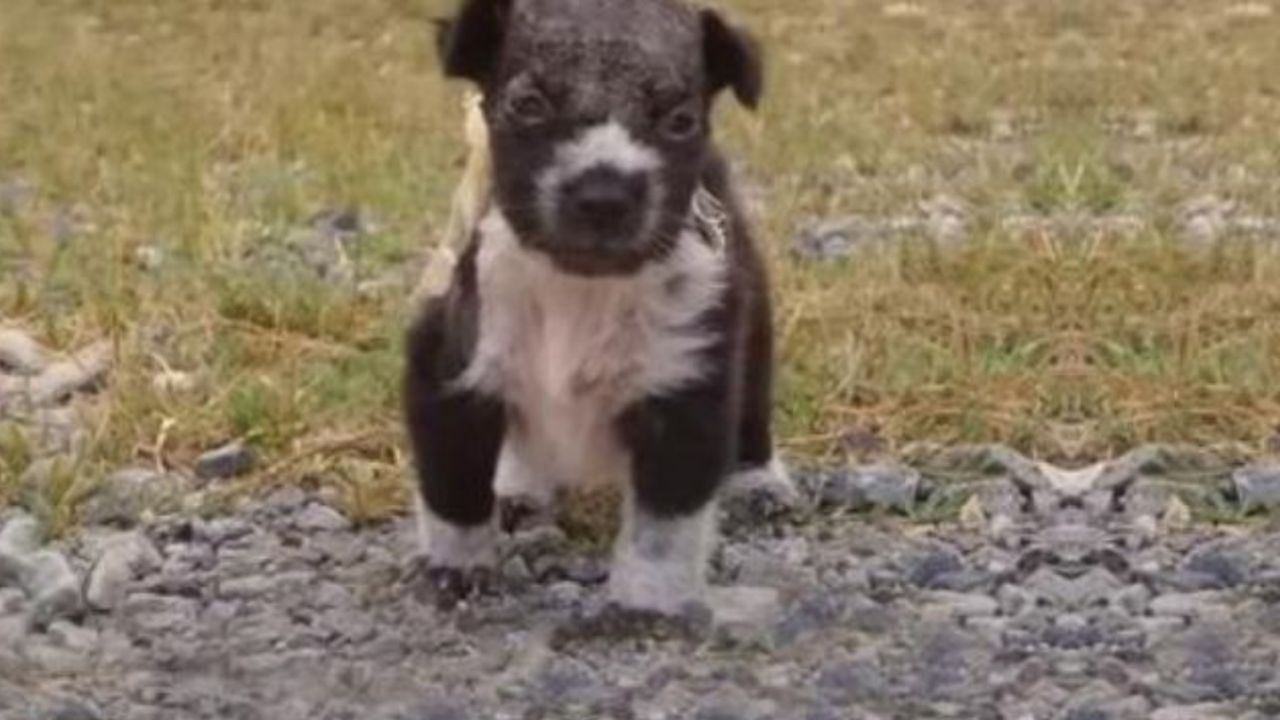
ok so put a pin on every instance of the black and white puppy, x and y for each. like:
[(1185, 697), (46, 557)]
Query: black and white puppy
[(610, 316)]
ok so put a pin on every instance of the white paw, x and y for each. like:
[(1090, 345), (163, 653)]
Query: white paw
[(447, 545), (660, 564), (760, 494)]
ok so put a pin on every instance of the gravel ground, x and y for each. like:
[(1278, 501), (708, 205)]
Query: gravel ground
[(1050, 594)]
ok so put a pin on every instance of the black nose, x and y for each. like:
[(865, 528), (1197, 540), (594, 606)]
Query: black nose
[(606, 200)]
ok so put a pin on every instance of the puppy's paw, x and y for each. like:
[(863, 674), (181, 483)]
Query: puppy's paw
[(447, 587), (759, 495)]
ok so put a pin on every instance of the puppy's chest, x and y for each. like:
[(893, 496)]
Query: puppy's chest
[(556, 346)]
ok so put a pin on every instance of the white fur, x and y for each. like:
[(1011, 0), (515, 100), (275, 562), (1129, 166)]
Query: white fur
[(570, 353), (660, 564), (609, 145), (773, 475), (451, 546)]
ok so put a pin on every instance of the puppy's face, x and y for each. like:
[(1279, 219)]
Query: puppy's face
[(598, 113)]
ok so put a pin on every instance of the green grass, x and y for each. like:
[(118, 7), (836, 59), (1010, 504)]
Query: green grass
[(213, 130)]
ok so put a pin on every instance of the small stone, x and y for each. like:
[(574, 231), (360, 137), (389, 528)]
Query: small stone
[(226, 462), (972, 515), (745, 605), (19, 538), (21, 354), (321, 518), (151, 613), (811, 614), (123, 559), (286, 500), (963, 606), (1225, 568), (925, 569), (148, 258), (1177, 516), (223, 531), (54, 587), (1258, 487), (173, 382), (1187, 605), (565, 593), (1209, 711), (845, 683), (124, 497), (68, 635), (880, 486)]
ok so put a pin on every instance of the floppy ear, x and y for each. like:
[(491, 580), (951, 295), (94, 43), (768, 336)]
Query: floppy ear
[(732, 60), (470, 42)]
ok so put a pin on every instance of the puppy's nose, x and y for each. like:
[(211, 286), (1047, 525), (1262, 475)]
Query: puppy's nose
[(606, 200)]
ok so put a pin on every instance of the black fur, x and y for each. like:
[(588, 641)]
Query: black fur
[(455, 435)]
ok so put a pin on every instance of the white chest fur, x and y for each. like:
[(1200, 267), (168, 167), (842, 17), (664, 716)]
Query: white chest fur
[(569, 353)]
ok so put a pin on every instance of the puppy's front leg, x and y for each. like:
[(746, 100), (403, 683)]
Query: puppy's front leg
[(681, 448), (456, 435)]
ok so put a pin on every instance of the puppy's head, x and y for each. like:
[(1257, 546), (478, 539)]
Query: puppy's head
[(598, 114)]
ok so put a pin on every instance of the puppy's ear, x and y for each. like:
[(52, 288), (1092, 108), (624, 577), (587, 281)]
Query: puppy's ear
[(732, 60), (470, 42)]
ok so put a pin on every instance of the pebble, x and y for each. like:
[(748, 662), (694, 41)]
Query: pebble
[(1258, 487), (124, 497), (19, 538), (321, 518), (880, 486), (123, 559), (226, 462), (53, 586), (21, 354)]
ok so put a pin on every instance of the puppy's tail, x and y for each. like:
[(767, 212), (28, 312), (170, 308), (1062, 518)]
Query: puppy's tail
[(470, 199)]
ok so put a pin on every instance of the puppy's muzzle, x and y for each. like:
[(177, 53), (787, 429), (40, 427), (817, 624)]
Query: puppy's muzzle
[(604, 209)]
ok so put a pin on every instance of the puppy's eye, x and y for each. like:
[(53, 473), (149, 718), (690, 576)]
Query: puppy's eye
[(529, 107), (681, 124)]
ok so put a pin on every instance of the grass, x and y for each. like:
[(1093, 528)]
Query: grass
[(1074, 321)]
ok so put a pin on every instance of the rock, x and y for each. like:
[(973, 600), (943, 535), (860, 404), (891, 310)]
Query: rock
[(149, 613), (68, 635), (58, 381), (123, 559), (173, 382), (124, 497), (810, 614), (1208, 711), (964, 606), (849, 682), (733, 703), (881, 486), (223, 531), (19, 538), (321, 518), (1188, 605), (75, 710), (925, 569), (1258, 487), (745, 608), (21, 354), (834, 240), (53, 587), (434, 709), (1224, 568), (226, 462)]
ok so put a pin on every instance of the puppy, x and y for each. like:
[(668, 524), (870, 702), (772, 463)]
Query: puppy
[(609, 318)]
